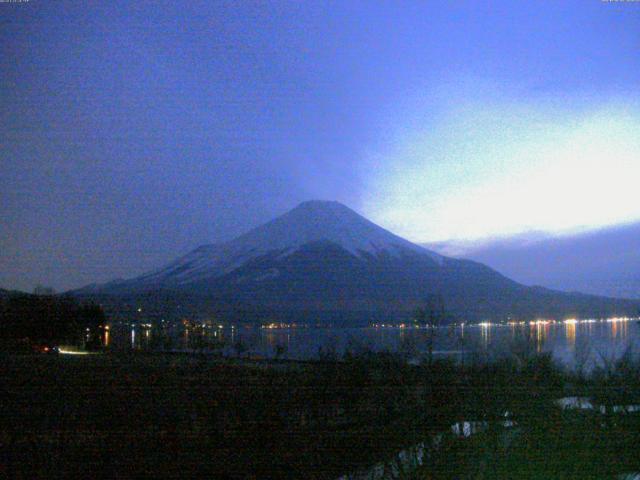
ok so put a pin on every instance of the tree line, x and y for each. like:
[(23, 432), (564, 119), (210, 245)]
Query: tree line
[(49, 319)]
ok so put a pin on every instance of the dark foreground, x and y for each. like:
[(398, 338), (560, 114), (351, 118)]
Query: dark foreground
[(154, 415)]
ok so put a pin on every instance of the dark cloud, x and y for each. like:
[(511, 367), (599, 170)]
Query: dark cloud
[(131, 132)]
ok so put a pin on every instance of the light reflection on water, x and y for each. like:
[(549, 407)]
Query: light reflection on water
[(562, 339), (570, 333), (485, 331)]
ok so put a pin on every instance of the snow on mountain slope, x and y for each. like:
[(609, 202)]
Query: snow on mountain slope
[(323, 259), (309, 222)]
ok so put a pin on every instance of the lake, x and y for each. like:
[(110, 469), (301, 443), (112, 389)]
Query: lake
[(572, 342)]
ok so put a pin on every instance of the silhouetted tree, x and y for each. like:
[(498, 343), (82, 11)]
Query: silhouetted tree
[(432, 315), (239, 347), (281, 350), (49, 319)]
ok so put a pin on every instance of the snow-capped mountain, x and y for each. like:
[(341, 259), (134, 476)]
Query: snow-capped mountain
[(324, 257), (309, 222)]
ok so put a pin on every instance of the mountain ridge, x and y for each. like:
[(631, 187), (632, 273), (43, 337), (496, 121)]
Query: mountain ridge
[(603, 261), (322, 256), (310, 221)]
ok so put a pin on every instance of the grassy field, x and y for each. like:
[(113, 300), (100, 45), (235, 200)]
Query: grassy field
[(177, 416), (163, 416), (567, 445)]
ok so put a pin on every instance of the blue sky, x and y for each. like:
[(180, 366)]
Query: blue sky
[(134, 131)]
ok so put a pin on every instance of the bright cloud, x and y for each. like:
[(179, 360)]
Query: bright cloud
[(503, 167)]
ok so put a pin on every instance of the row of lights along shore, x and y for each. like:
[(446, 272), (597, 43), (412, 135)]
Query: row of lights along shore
[(539, 322)]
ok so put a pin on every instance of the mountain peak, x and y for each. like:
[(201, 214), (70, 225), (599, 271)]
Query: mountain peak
[(323, 208), (310, 222), (320, 220), (322, 205)]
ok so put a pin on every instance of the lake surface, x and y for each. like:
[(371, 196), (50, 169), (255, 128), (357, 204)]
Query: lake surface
[(572, 343)]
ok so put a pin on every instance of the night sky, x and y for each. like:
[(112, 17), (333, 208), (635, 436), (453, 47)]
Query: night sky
[(133, 132)]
